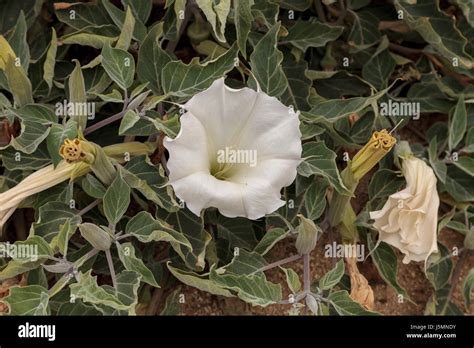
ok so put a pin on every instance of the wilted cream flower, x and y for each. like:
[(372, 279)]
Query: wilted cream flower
[(409, 218), (235, 151)]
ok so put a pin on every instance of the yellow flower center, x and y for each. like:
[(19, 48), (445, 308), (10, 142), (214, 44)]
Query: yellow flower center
[(72, 151)]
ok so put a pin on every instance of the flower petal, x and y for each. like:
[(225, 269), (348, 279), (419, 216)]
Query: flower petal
[(221, 118)]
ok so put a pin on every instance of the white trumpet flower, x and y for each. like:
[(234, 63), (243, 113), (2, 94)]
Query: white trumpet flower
[(236, 150), (409, 218)]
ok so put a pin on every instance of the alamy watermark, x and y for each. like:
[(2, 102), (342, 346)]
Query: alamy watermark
[(72, 109), (234, 156), (19, 251), (401, 109), (336, 250)]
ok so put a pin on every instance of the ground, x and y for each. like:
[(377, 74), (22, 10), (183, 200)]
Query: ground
[(410, 277)]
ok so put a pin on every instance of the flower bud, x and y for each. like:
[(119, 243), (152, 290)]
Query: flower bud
[(307, 235), (96, 236), (380, 143)]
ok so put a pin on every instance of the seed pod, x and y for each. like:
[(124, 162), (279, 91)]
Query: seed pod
[(312, 303), (96, 236), (307, 235)]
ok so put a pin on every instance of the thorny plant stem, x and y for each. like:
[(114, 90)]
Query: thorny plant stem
[(111, 268), (278, 263)]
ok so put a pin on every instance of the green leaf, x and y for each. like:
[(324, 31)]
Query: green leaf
[(459, 184), (30, 250), (457, 123), (172, 305), (364, 29), (118, 17), (336, 109), (12, 9), (15, 160), (384, 183), (379, 67), (344, 305), (15, 268), (302, 34), (270, 238), (437, 28), (141, 8), (467, 288), (265, 62), (292, 280), (467, 8), (18, 82), (183, 80), (216, 14), (298, 5), (50, 61), (315, 199), (37, 113), (438, 166), (198, 282), (333, 277), (152, 59), (32, 134), (266, 12), (245, 262), (243, 19), (61, 241), (131, 262), (238, 231), (93, 187), (78, 308), (140, 174), (119, 65), (52, 216), (147, 229), (89, 291), (56, 137), (386, 262), (116, 199), (85, 15), (254, 289), (298, 90), (466, 164), (440, 267), (97, 41), (319, 160), (125, 37), (28, 300), (77, 95), (17, 41), (192, 228)]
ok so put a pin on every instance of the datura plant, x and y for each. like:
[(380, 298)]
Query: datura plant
[(302, 157)]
